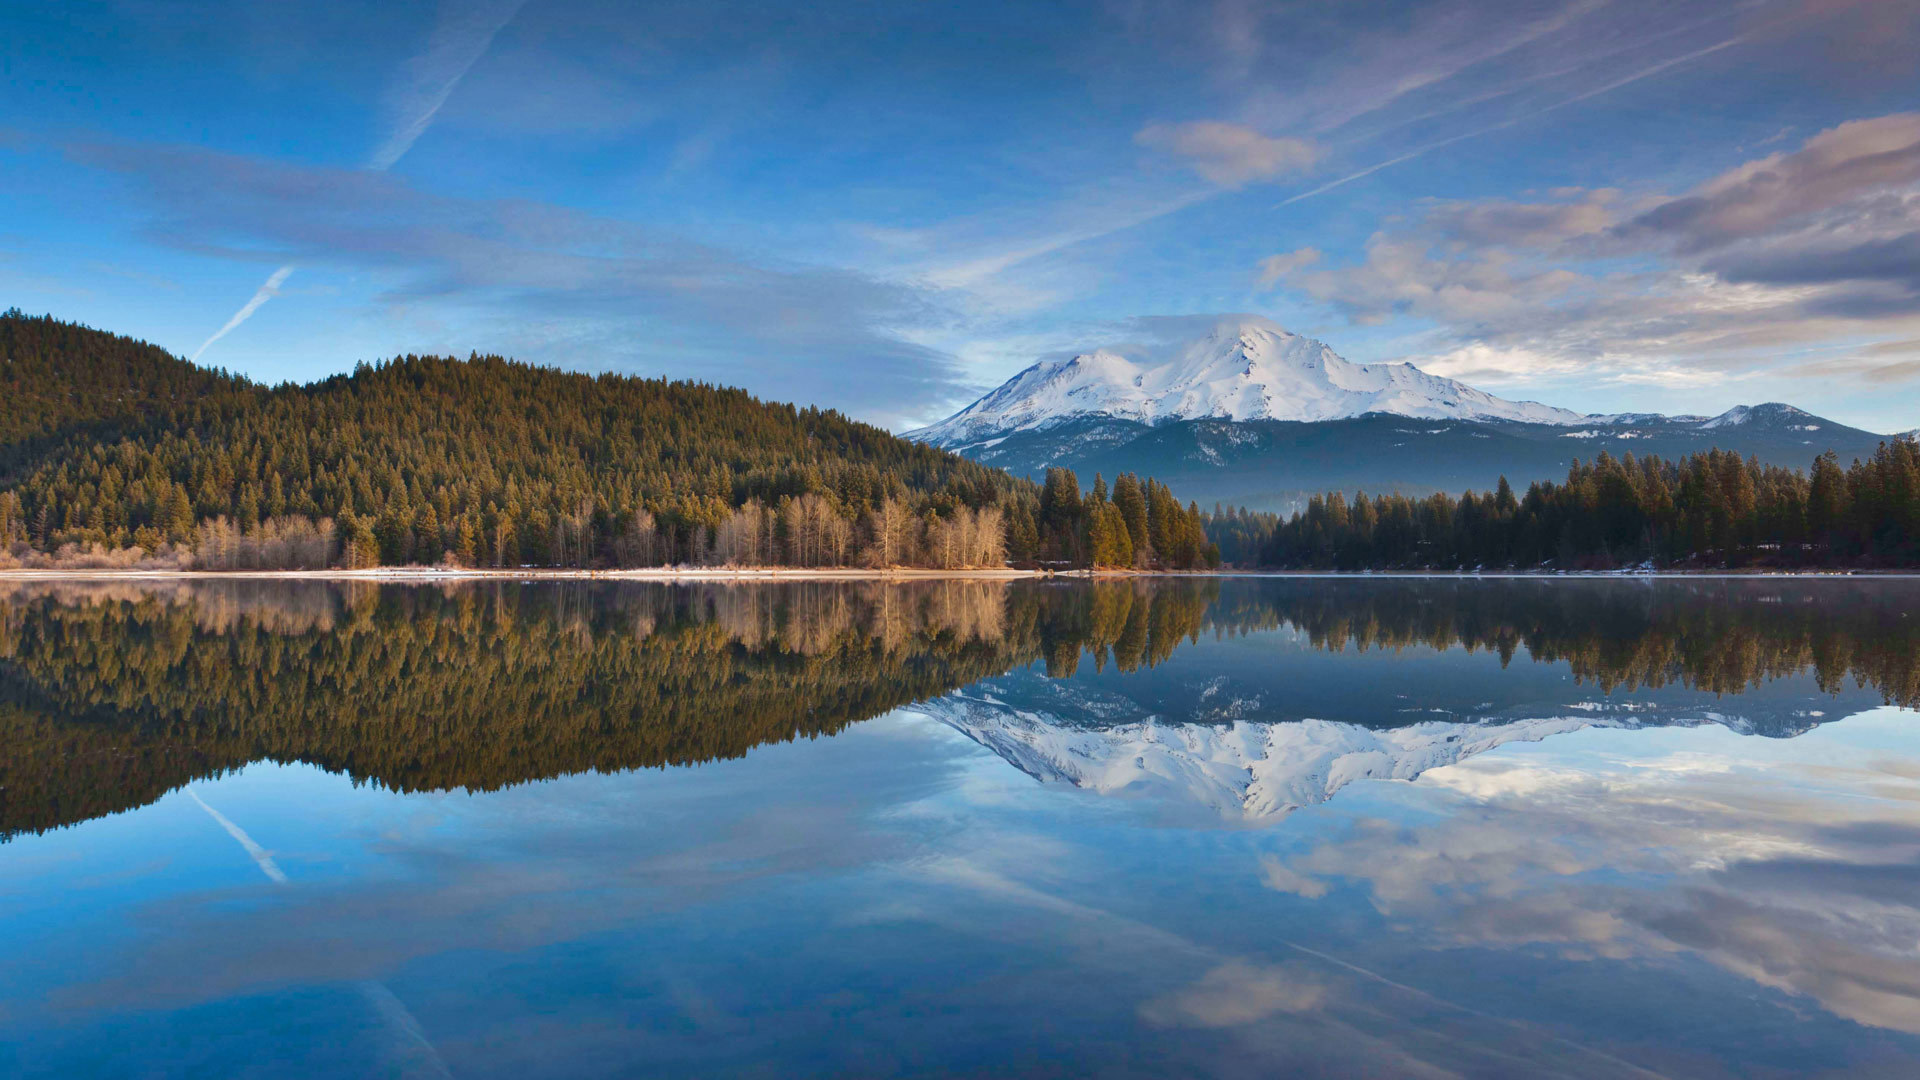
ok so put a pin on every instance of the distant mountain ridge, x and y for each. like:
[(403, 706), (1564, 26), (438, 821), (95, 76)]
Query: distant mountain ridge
[(1247, 368), (1252, 414)]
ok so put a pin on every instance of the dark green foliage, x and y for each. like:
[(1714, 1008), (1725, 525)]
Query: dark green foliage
[(112, 695), (1712, 509), (1141, 525), (58, 379), (113, 442)]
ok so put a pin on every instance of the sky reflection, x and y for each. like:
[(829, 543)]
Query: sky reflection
[(1669, 899)]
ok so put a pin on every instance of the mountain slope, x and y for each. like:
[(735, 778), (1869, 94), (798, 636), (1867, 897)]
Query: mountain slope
[(1244, 368), (1251, 415)]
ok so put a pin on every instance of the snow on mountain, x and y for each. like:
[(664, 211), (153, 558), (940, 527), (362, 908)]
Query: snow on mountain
[(1772, 412), (1245, 368), (1247, 769)]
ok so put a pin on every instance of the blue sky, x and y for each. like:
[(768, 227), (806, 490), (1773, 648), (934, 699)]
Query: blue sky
[(889, 207)]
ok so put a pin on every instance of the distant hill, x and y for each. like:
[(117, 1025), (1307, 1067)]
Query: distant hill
[(1249, 414), (111, 441)]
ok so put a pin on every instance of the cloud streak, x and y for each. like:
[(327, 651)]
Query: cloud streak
[(267, 291), (260, 856), (557, 285), (461, 36), (1588, 95)]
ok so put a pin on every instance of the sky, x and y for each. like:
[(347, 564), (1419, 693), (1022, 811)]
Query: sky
[(889, 208)]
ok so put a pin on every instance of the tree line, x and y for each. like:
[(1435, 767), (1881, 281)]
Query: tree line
[(115, 453), (112, 694), (1138, 524), (1713, 509)]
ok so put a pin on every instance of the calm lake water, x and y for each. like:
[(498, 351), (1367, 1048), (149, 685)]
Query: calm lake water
[(1519, 828)]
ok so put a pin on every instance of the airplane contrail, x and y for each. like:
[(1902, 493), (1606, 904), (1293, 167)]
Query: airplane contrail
[(459, 40), (461, 36), (1643, 73), (267, 291), (254, 851), (410, 1053)]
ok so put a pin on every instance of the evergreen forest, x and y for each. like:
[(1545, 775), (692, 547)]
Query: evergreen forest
[(114, 453)]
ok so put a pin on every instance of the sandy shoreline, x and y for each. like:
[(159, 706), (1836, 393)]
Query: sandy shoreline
[(432, 574), (427, 575)]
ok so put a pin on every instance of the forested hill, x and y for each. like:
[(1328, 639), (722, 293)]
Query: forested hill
[(60, 380), (111, 445)]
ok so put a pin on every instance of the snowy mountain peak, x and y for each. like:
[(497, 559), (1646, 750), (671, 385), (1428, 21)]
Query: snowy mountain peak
[(1772, 412), (1243, 368)]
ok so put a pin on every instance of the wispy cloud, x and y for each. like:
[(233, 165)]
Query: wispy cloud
[(461, 36), (1488, 129), (558, 285), (1229, 154)]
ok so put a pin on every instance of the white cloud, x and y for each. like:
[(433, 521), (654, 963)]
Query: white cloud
[(1236, 993), (1793, 250), (1273, 268), (1228, 154)]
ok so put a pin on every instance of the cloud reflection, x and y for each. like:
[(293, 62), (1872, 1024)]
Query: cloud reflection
[(1800, 877)]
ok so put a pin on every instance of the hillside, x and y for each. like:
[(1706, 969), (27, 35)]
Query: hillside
[(119, 452), (60, 380), (115, 442)]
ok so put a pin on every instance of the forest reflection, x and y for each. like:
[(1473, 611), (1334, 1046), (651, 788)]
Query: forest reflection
[(113, 694)]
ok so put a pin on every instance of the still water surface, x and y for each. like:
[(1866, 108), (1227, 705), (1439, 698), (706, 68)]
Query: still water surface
[(1198, 828)]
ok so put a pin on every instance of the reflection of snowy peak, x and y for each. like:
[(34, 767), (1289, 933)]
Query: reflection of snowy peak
[(1244, 768), (1220, 743)]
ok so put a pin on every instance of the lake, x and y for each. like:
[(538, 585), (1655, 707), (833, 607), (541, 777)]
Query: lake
[(1148, 827)]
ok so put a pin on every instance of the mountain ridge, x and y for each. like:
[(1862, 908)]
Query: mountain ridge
[(1249, 368), (1209, 420), (1243, 368)]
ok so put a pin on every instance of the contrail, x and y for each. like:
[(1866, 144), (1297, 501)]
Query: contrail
[(259, 854), (265, 292), (461, 36), (1490, 128), (962, 872), (411, 1054), (459, 40)]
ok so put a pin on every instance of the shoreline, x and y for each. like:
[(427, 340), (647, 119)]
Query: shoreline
[(428, 575)]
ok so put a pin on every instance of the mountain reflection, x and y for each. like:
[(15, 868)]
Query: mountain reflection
[(113, 694)]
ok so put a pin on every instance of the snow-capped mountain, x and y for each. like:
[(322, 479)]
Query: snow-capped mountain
[(1245, 368), (1249, 414)]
